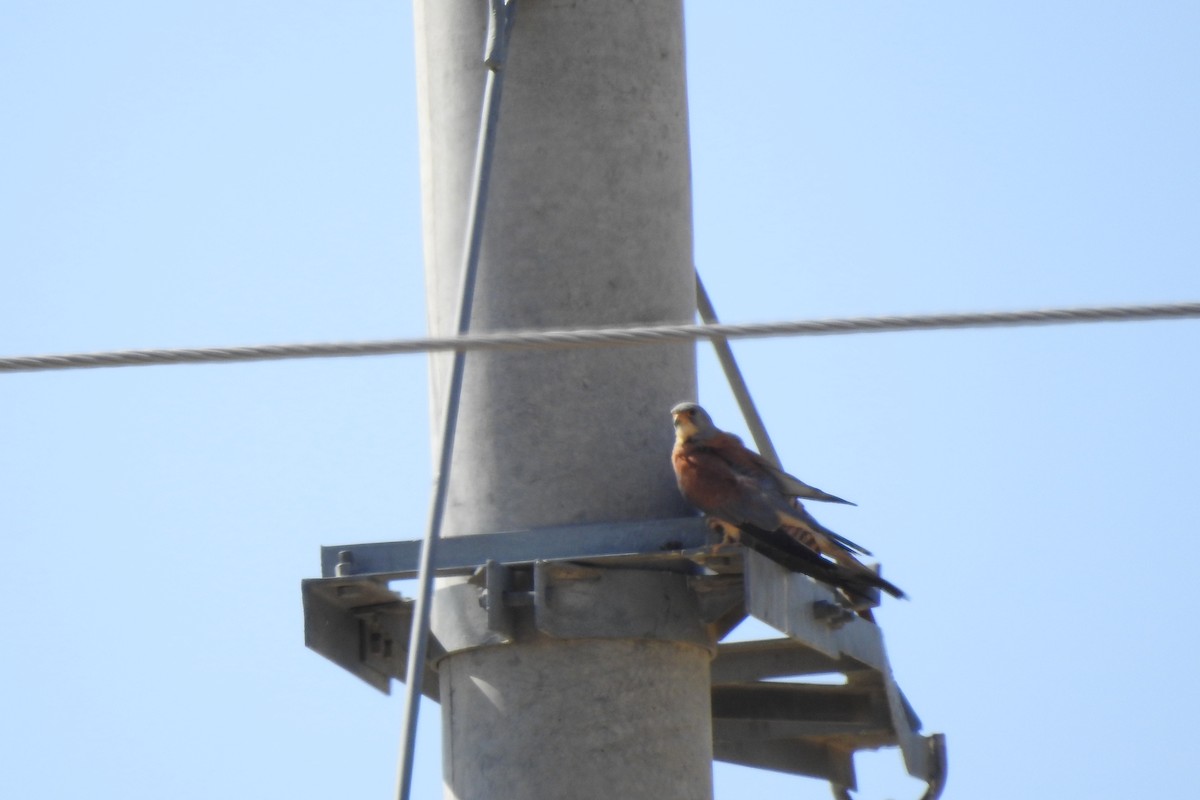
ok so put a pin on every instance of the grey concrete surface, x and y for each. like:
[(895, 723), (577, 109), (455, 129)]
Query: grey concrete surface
[(588, 224)]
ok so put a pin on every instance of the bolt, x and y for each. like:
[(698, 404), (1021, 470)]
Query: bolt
[(832, 614)]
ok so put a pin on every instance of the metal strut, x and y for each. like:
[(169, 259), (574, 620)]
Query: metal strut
[(501, 14), (737, 383)]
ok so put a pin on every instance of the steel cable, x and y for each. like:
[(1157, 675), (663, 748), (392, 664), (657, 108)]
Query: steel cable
[(593, 337)]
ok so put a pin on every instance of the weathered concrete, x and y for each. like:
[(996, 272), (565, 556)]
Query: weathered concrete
[(588, 720), (588, 224)]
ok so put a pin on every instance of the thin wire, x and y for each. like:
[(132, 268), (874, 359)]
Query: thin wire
[(733, 375), (593, 337), (500, 18)]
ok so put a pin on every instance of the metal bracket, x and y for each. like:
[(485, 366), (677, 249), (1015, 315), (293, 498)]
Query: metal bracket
[(811, 614), (501, 15), (363, 627), (573, 601), (497, 597), (501, 604), (832, 614), (595, 581)]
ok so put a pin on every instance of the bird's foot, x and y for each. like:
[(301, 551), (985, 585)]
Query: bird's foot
[(730, 535)]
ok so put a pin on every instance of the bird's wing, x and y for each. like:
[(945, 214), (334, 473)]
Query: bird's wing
[(794, 487), (712, 479), (743, 458), (790, 511), (750, 505), (758, 495)]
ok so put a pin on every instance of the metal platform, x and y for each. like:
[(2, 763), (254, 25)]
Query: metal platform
[(759, 720)]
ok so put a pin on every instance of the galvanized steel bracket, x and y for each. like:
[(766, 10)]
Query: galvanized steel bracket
[(810, 614), (564, 600), (577, 581), (363, 627), (595, 581)]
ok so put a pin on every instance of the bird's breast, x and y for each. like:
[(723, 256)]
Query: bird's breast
[(705, 480)]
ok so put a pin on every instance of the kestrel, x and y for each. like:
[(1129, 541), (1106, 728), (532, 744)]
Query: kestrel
[(757, 504)]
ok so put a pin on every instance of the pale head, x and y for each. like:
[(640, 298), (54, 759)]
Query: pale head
[(692, 422)]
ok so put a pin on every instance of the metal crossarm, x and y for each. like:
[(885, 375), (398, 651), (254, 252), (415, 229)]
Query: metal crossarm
[(648, 540)]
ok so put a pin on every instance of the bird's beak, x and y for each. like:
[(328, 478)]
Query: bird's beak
[(684, 426)]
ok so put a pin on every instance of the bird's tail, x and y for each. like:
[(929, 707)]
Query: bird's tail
[(790, 550), (855, 572), (877, 580)]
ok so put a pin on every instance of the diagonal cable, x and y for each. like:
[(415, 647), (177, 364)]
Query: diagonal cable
[(733, 375), (501, 14)]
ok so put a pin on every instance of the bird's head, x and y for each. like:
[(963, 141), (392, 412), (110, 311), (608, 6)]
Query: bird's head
[(692, 422)]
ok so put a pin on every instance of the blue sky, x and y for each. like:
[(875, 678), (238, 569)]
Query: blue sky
[(196, 174)]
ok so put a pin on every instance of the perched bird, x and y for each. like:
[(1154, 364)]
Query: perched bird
[(755, 503)]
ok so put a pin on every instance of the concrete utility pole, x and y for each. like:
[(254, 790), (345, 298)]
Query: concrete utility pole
[(588, 224)]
